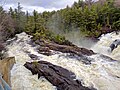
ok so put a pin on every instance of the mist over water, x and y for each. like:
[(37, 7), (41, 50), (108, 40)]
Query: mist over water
[(77, 38), (54, 24), (73, 34)]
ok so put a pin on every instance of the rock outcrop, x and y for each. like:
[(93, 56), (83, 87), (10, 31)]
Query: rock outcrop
[(45, 48), (5, 67), (58, 76)]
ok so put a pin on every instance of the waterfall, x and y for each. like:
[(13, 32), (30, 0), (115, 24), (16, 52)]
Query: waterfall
[(103, 45), (102, 74), (21, 78)]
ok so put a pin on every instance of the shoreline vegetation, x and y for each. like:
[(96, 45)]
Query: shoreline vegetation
[(91, 18)]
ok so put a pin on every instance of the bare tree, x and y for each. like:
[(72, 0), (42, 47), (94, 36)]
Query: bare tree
[(89, 3), (6, 25)]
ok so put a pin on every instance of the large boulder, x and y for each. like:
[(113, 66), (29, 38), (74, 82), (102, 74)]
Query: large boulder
[(58, 76), (5, 67)]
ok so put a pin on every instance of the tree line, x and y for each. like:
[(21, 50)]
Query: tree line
[(91, 18)]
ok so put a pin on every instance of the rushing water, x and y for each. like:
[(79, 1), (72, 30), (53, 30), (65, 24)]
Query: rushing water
[(21, 78), (102, 73), (103, 45)]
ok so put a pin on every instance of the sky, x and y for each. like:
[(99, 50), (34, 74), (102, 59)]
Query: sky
[(39, 5)]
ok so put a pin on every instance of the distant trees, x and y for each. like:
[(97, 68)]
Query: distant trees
[(6, 25), (35, 23), (92, 18), (19, 18), (11, 22)]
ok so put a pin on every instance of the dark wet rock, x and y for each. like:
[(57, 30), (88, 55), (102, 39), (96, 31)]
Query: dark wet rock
[(58, 76), (32, 56), (32, 43), (84, 59), (107, 58), (47, 46), (12, 40), (40, 42), (45, 51), (117, 77), (70, 49), (74, 51)]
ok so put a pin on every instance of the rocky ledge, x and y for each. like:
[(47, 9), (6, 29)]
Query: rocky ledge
[(46, 47), (5, 67), (58, 76)]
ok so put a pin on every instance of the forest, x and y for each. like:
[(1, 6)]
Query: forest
[(91, 18)]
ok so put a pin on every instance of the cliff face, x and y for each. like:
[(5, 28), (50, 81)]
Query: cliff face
[(5, 67)]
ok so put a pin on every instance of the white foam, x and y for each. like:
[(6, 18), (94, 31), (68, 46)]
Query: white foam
[(102, 46), (22, 78), (102, 73)]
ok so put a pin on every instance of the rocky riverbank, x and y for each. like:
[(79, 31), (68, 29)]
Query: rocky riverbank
[(5, 68)]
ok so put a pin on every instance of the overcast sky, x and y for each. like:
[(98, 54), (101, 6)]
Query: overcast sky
[(39, 5)]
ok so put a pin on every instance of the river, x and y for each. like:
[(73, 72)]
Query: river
[(102, 74)]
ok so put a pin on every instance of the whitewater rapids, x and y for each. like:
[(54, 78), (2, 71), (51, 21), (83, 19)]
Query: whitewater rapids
[(103, 44), (102, 74)]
